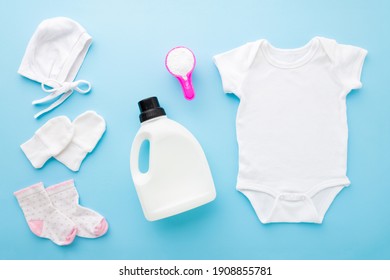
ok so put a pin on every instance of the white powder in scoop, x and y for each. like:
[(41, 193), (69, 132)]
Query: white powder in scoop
[(180, 61)]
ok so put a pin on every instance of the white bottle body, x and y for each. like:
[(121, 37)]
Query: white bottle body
[(179, 177)]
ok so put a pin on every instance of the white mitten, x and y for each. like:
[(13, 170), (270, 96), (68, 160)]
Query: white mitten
[(88, 129), (49, 140)]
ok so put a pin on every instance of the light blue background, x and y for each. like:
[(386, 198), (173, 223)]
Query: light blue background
[(126, 64)]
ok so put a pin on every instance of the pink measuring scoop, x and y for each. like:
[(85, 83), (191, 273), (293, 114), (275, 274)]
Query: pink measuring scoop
[(180, 62)]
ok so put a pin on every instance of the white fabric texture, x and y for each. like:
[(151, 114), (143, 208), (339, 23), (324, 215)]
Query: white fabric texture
[(43, 218), (88, 129), (291, 124), (48, 141), (65, 198), (54, 56)]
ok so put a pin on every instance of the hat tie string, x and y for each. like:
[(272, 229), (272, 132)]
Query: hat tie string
[(56, 89)]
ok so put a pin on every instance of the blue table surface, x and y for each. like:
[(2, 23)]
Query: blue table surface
[(126, 64)]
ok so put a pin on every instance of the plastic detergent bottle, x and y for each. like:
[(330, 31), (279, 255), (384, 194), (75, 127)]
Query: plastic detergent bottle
[(179, 177)]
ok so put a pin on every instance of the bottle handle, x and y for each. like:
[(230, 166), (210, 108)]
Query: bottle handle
[(139, 178)]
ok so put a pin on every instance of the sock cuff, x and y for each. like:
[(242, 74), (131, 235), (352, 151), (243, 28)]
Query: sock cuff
[(33, 189), (60, 187)]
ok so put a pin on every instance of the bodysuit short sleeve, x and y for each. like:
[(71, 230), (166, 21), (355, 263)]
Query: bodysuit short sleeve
[(233, 66), (349, 63)]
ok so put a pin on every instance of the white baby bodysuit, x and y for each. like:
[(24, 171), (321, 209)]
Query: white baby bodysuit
[(291, 124)]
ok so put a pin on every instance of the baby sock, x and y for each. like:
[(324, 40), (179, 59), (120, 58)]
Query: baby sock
[(43, 218), (65, 198), (88, 129)]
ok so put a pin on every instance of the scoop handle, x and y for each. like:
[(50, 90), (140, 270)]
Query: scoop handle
[(186, 84)]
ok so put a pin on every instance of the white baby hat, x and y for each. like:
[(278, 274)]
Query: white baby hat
[(53, 57)]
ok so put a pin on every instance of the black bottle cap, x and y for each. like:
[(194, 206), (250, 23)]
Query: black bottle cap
[(150, 108)]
